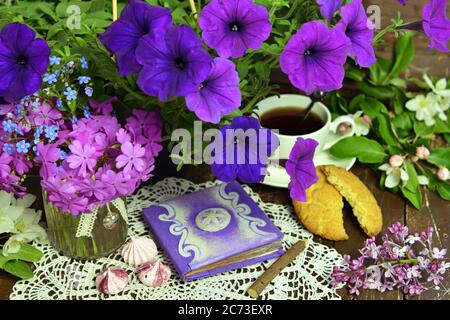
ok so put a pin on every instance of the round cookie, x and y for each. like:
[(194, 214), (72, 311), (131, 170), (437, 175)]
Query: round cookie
[(322, 212), (364, 204)]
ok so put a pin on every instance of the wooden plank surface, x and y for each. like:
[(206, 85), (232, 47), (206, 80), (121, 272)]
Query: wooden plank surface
[(435, 213), (393, 209), (431, 61)]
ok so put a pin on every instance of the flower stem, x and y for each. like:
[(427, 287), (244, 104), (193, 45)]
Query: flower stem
[(403, 261), (383, 32)]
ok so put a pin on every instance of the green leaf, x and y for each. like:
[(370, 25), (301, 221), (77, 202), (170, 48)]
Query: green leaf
[(415, 197), (404, 53), (366, 150), (19, 268), (242, 68), (443, 189), (27, 253), (413, 181), (372, 107), (354, 74), (399, 101), (402, 124), (355, 103), (262, 69), (440, 157), (447, 137), (380, 70), (378, 92), (384, 129), (441, 126), (422, 130)]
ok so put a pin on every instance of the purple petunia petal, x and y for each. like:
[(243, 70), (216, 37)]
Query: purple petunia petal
[(329, 7), (218, 95), (234, 26), (17, 37), (23, 60), (122, 37), (174, 63), (301, 169), (314, 58), (436, 25), (243, 156), (355, 24)]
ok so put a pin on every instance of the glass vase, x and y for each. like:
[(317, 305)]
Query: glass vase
[(109, 232)]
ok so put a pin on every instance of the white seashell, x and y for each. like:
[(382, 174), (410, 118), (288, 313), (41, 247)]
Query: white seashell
[(139, 250), (111, 280), (154, 273)]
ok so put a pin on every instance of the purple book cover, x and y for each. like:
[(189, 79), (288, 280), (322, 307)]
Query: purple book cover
[(211, 225)]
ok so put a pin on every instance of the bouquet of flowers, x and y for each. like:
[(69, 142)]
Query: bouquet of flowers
[(86, 157)]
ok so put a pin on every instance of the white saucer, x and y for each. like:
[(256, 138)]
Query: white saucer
[(277, 176)]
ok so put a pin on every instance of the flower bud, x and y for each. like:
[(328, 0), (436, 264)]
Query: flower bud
[(443, 174), (343, 128), (395, 161), (422, 152), (367, 119)]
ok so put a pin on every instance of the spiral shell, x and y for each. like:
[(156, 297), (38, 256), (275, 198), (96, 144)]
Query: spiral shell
[(111, 280), (154, 273), (139, 250)]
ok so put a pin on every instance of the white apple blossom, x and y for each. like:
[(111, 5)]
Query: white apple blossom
[(362, 124), (440, 88), (19, 220), (394, 176), (426, 107), (443, 95)]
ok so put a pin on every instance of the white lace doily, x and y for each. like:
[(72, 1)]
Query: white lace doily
[(308, 277)]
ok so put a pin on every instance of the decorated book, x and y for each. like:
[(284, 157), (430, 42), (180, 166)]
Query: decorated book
[(213, 230)]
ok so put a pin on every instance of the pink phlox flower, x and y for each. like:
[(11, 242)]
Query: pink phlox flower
[(45, 115), (105, 107), (131, 158), (83, 157)]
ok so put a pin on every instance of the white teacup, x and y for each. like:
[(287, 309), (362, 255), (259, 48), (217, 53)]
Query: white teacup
[(322, 136)]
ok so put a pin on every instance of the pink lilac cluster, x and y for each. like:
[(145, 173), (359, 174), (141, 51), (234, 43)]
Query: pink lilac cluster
[(404, 261), (83, 162)]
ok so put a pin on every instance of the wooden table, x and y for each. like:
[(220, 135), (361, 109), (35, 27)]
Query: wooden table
[(435, 213)]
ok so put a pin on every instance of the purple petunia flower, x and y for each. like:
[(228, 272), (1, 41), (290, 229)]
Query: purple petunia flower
[(218, 95), (301, 169), (23, 60), (329, 7), (314, 57), (234, 26), (355, 24), (402, 2), (122, 37), (244, 152), (436, 25), (174, 62)]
